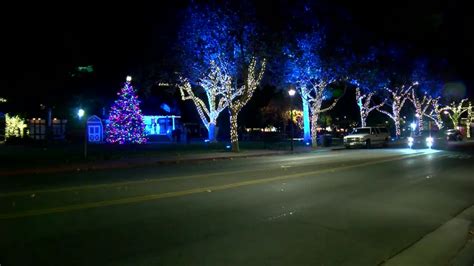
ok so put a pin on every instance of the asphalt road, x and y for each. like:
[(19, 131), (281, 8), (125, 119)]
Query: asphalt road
[(355, 207)]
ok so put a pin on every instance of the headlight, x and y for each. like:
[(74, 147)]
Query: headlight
[(410, 139), (429, 142)]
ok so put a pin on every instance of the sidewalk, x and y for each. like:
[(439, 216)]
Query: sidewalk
[(154, 160), (449, 244)]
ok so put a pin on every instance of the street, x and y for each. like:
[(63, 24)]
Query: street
[(348, 207)]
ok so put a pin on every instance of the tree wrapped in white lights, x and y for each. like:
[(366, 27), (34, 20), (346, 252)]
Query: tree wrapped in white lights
[(366, 105), (454, 111), (238, 97), (421, 107), (469, 120), (217, 40), (368, 81), (396, 99), (206, 47), (435, 113), (215, 85), (424, 97), (311, 76), (314, 97)]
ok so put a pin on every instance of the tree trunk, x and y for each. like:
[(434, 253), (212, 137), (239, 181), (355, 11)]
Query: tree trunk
[(211, 132), (363, 118), (306, 124), (468, 128), (439, 121), (421, 124), (314, 130), (234, 135), (397, 125), (455, 120)]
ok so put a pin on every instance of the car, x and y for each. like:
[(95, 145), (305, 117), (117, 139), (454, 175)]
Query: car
[(454, 135), (367, 137), (427, 140)]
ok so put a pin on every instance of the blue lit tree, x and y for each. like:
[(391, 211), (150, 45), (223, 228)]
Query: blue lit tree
[(425, 96), (206, 45), (368, 80), (219, 57), (399, 85), (311, 75)]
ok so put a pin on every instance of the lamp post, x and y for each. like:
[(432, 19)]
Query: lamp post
[(80, 114), (292, 93)]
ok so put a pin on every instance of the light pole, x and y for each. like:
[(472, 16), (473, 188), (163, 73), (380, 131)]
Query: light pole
[(292, 93), (80, 114)]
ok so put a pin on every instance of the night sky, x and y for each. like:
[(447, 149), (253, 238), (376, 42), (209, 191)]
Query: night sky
[(42, 44)]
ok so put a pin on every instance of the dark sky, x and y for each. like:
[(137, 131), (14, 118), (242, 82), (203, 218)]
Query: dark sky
[(42, 43)]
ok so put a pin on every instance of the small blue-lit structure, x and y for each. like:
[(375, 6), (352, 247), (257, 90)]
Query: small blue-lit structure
[(95, 129), (161, 124)]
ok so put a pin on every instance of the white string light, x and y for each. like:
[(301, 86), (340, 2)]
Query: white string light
[(435, 113), (398, 97), (470, 119), (364, 102), (454, 111), (314, 96), (421, 107), (215, 85), (238, 97)]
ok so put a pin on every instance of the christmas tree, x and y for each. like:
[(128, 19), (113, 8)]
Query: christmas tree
[(125, 120)]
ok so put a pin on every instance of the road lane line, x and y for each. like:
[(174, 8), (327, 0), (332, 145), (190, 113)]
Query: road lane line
[(151, 197), (118, 184)]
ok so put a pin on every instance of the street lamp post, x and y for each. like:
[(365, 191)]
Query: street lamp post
[(80, 114), (292, 93)]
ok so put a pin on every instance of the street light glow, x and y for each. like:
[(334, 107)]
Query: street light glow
[(80, 113), (413, 126), (292, 92), (129, 78)]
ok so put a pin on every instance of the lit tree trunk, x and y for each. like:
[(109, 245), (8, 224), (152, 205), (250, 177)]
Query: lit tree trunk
[(362, 110), (363, 118), (314, 98), (306, 124), (421, 123), (363, 102), (421, 106), (435, 113), (211, 131), (215, 85), (238, 97), (398, 98), (470, 118), (234, 137), (314, 130), (396, 120)]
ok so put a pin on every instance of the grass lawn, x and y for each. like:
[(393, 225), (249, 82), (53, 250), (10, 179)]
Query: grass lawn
[(33, 155)]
